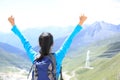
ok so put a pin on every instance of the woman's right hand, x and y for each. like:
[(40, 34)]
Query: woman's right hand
[(82, 19), (11, 20)]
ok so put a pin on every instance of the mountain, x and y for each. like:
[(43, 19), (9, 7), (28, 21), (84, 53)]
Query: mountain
[(97, 31), (12, 60), (90, 33), (14, 50), (12, 39), (102, 30)]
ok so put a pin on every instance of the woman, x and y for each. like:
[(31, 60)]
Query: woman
[(46, 43)]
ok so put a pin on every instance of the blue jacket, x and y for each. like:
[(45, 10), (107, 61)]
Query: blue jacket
[(59, 55)]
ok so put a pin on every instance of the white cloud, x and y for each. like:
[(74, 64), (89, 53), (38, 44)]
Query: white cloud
[(39, 13)]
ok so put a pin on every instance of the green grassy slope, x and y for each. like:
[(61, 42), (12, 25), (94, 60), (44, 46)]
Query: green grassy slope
[(12, 60), (13, 67), (104, 68)]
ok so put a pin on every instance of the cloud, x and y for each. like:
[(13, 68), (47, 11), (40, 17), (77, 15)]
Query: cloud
[(29, 13)]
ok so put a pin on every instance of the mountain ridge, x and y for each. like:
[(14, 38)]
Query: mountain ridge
[(91, 33)]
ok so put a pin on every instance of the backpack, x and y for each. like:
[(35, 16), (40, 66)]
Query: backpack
[(45, 69)]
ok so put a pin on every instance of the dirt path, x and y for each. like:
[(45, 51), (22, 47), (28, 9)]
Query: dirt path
[(69, 77)]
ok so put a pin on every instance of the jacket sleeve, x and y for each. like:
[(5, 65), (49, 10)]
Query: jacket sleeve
[(60, 54), (30, 52)]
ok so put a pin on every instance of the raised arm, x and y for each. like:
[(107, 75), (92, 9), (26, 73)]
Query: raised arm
[(30, 52), (60, 54)]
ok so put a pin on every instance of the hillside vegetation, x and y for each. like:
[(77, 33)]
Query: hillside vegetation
[(104, 58)]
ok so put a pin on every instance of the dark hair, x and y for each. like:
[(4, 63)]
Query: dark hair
[(45, 42)]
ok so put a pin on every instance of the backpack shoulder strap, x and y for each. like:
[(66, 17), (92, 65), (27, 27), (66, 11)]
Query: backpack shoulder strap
[(32, 68), (54, 66), (61, 77), (53, 60)]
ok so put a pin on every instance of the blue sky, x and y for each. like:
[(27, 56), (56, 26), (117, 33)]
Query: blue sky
[(59, 13)]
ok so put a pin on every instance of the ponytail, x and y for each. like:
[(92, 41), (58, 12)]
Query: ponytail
[(45, 42)]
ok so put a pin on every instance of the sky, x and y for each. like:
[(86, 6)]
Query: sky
[(59, 13)]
